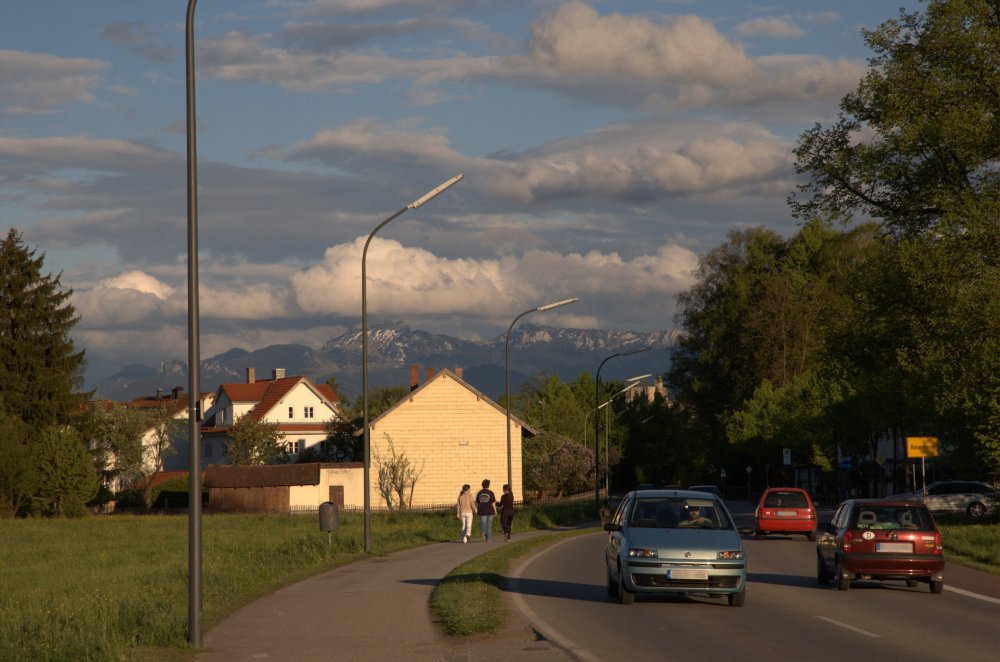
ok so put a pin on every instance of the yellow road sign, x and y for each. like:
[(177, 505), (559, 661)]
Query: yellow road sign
[(921, 447)]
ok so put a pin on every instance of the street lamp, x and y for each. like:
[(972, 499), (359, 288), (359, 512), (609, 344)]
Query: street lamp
[(550, 306), (194, 358), (364, 345), (597, 423), (632, 382)]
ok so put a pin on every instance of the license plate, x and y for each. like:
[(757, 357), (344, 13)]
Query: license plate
[(896, 547), (687, 573), (786, 513)]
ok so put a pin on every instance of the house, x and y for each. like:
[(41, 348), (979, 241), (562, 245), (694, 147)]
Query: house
[(176, 405), (300, 408), (452, 434)]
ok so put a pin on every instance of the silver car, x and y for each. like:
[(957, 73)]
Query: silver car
[(956, 496), (674, 542)]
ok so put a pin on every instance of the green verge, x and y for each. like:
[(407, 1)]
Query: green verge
[(972, 543), (468, 600)]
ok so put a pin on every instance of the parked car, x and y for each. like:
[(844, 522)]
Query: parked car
[(882, 540), (711, 489), (956, 496), (785, 510), (674, 542)]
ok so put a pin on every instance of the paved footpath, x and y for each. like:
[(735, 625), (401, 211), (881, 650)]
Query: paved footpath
[(376, 608)]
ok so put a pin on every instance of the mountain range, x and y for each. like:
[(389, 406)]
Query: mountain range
[(393, 348)]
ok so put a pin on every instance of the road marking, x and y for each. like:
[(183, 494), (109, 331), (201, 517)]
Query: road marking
[(850, 627), (970, 594), (544, 628)]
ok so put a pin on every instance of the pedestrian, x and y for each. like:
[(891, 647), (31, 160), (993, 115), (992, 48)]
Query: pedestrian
[(487, 505), (464, 509), (507, 512)]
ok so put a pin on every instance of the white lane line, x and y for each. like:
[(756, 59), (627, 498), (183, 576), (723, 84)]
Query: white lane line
[(970, 594), (850, 627), (536, 622)]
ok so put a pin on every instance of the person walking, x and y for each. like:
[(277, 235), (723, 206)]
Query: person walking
[(486, 502), (507, 512), (464, 509)]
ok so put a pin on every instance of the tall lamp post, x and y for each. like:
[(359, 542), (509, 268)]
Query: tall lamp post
[(194, 358), (364, 346), (549, 306), (597, 423)]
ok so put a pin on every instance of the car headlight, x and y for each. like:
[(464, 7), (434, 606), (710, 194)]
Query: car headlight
[(642, 553), (729, 556)]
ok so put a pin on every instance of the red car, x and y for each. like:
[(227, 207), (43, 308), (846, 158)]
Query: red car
[(880, 539), (785, 510)]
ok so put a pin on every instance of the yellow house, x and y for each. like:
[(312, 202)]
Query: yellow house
[(451, 434)]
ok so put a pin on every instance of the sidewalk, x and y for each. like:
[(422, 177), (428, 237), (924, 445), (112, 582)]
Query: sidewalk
[(377, 608)]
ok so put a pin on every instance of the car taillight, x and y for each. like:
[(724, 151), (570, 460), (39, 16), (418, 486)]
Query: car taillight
[(938, 547), (845, 544), (811, 514)]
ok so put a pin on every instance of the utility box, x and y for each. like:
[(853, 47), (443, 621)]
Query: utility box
[(329, 516)]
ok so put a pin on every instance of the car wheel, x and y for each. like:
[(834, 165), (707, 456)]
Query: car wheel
[(812, 536), (843, 583), (612, 585), (737, 599), (976, 509), (937, 586), (625, 596), (822, 574)]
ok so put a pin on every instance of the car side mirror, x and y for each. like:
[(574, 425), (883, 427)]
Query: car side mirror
[(612, 526), (746, 530)]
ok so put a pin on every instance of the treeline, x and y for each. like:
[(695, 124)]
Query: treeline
[(881, 316)]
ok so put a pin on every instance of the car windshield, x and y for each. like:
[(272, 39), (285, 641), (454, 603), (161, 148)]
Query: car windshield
[(678, 512), (893, 517), (785, 500)]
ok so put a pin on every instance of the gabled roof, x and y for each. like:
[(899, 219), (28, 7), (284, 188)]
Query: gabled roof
[(267, 394), (448, 374)]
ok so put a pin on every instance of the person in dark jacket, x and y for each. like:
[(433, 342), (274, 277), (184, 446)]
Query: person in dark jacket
[(486, 502), (507, 512)]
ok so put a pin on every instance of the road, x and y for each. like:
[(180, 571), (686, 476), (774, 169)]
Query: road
[(787, 614)]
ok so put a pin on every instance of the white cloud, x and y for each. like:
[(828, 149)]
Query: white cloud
[(36, 83)]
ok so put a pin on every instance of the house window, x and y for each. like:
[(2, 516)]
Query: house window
[(222, 416), (295, 447), (308, 411), (291, 412)]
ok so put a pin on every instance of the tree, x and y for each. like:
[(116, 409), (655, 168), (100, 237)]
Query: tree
[(163, 429), (65, 476), (40, 368), (17, 479), (118, 443), (255, 442), (395, 476), (916, 147)]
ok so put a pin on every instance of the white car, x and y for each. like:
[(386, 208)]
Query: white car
[(972, 497)]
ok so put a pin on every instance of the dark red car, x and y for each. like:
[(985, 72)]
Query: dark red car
[(880, 539), (785, 510)]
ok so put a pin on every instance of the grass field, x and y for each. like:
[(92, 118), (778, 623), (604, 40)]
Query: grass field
[(106, 588)]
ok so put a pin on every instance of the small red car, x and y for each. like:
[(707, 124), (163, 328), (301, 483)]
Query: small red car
[(785, 510), (880, 539)]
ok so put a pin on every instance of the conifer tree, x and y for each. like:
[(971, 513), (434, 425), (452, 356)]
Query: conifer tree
[(40, 369)]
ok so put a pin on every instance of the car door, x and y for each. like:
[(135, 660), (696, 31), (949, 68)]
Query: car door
[(615, 537), (827, 540)]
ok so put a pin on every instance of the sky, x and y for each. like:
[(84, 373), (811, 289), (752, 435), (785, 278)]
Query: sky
[(605, 145)]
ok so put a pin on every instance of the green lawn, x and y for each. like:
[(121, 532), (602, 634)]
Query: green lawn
[(116, 587)]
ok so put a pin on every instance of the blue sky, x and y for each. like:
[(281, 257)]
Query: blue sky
[(605, 146)]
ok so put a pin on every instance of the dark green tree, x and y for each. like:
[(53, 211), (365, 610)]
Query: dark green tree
[(65, 478), (40, 369), (17, 478)]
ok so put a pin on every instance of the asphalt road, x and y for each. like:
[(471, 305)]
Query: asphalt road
[(787, 614)]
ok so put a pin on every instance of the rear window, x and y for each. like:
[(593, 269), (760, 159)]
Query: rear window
[(890, 517), (785, 500)]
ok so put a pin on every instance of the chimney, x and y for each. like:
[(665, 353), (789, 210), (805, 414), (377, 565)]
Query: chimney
[(278, 373), (251, 375), (430, 373), (414, 376), (159, 394), (458, 372), (176, 391)]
